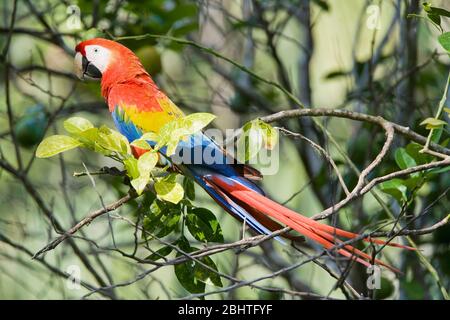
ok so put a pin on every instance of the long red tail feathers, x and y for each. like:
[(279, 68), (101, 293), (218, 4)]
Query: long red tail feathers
[(261, 217), (325, 235)]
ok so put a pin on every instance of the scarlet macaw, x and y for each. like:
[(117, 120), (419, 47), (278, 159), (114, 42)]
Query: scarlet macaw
[(138, 106)]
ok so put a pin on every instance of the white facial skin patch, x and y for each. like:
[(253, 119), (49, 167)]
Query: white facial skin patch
[(98, 56)]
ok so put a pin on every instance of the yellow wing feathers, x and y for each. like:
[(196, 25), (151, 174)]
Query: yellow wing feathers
[(152, 120)]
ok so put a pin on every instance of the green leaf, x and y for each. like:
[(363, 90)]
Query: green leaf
[(435, 18), (131, 165), (172, 130), (89, 138), (147, 162), (171, 133), (434, 10), (140, 183), (160, 253), (413, 182), (270, 135), (395, 188), (426, 6), (143, 141), (432, 123), (435, 14), (203, 225), (414, 150), (447, 110), (205, 275), (256, 134), (150, 136), (322, 4), (56, 144), (439, 170), (168, 189), (172, 146), (113, 141), (386, 289), (413, 289), (141, 144), (250, 142), (189, 188), (270, 295), (162, 218), (436, 134), (444, 40), (76, 125), (185, 272), (403, 159), (441, 12), (197, 121), (191, 274)]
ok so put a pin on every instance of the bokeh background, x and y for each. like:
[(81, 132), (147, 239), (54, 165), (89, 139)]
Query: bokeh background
[(359, 55)]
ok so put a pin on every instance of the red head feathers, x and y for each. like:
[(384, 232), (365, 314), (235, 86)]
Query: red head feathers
[(111, 61)]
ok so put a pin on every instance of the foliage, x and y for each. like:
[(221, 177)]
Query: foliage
[(175, 17), (163, 216), (111, 143), (256, 135), (403, 190)]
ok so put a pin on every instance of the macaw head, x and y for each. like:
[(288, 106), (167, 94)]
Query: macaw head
[(93, 57), (107, 60)]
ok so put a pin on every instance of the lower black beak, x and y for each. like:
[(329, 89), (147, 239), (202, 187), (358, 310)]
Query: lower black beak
[(90, 70)]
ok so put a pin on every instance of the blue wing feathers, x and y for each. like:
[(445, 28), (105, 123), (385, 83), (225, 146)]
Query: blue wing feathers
[(127, 128)]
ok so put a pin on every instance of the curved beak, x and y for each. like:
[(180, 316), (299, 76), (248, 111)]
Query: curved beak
[(84, 69)]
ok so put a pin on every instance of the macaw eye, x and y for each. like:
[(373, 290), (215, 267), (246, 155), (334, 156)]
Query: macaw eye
[(95, 50)]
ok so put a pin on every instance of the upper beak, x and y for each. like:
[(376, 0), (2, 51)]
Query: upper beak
[(84, 69)]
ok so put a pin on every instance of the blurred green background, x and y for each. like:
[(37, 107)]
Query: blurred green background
[(321, 48)]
